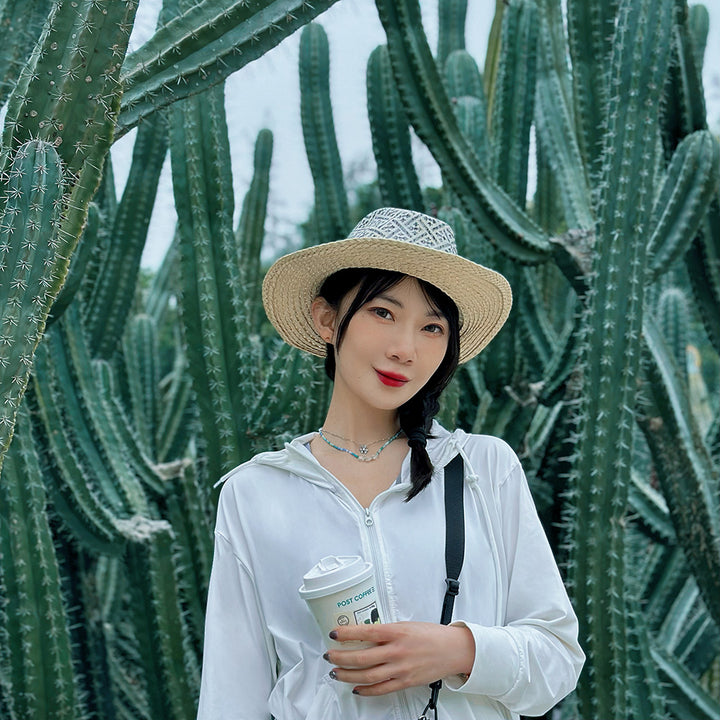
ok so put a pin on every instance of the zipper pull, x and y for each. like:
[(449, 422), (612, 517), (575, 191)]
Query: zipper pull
[(368, 518)]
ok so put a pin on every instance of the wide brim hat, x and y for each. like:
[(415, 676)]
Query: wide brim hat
[(394, 239)]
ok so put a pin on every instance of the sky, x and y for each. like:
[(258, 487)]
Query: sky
[(266, 93)]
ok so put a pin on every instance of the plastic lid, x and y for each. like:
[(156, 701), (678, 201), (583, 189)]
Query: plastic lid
[(334, 573)]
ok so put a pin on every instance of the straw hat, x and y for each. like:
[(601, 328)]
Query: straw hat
[(389, 239)]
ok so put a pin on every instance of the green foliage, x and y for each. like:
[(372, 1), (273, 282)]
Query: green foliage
[(143, 390)]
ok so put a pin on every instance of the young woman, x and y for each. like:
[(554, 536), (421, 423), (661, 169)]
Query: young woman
[(394, 309)]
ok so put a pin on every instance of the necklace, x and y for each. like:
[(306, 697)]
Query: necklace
[(363, 455)]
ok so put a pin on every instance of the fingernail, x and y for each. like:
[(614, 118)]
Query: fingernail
[(333, 674), (326, 657), (356, 691), (333, 635)]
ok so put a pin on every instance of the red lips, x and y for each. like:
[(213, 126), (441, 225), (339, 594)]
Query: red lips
[(391, 379)]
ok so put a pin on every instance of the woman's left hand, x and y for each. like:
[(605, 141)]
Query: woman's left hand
[(406, 654)]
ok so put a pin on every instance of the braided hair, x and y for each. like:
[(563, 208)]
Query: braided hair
[(417, 413)]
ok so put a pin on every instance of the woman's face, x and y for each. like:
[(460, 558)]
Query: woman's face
[(391, 348)]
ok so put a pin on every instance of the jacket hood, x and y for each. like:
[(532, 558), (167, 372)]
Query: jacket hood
[(297, 459)]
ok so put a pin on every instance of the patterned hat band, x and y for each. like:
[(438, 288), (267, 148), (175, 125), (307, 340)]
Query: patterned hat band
[(399, 240)]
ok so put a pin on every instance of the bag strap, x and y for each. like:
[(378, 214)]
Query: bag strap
[(454, 554)]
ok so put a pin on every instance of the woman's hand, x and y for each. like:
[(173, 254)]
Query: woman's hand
[(406, 654)]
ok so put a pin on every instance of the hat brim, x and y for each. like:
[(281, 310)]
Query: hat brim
[(483, 296)]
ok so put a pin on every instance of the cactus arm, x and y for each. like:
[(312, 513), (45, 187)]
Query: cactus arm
[(250, 231), (204, 45), (514, 100), (114, 290), (41, 672), (428, 108), (685, 469), (330, 217), (72, 487), (29, 247), (612, 324), (689, 699), (555, 129), (163, 283), (397, 179), (651, 510), (174, 431), (690, 184), (462, 77), (590, 24)]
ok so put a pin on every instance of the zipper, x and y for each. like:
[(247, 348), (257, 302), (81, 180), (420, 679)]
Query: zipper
[(376, 556)]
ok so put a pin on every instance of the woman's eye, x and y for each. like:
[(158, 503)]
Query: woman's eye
[(382, 312), (435, 328)]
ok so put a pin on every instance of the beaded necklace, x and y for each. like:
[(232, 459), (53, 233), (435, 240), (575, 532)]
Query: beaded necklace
[(362, 456)]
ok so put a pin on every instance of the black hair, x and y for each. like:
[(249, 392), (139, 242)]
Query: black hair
[(417, 413)]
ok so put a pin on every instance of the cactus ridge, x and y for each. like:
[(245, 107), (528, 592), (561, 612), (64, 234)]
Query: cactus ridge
[(201, 47), (397, 178)]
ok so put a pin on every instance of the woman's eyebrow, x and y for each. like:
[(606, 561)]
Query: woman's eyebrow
[(432, 312)]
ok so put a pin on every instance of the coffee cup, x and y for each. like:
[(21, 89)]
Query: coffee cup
[(341, 590)]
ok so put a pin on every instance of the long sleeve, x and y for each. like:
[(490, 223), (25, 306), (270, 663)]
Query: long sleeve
[(238, 667), (533, 659)]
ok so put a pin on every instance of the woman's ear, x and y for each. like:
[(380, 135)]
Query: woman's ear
[(324, 318)]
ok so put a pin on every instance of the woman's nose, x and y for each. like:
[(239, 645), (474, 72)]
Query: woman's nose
[(402, 348)]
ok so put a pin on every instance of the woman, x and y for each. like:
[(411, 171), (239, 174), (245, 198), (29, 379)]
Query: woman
[(393, 308)]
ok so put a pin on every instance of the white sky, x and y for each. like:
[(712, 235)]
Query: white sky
[(266, 94)]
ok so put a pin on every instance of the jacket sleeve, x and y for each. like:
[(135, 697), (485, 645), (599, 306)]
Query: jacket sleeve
[(534, 659), (238, 660)]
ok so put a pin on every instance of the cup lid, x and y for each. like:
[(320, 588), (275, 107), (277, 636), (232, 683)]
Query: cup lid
[(334, 573)]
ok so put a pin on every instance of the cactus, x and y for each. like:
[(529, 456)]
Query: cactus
[(398, 181), (33, 615), (330, 218), (29, 248)]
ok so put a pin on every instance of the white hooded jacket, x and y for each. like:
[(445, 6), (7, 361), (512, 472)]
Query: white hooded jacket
[(281, 512)]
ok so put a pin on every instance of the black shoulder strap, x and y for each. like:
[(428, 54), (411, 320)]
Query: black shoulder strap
[(454, 554), (454, 534)]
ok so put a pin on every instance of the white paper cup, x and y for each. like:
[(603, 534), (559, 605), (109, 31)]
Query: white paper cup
[(341, 590)]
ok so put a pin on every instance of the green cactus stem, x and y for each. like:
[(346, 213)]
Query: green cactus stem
[(612, 326), (202, 46), (330, 217), (221, 361), (690, 184), (29, 252), (590, 31), (555, 125), (687, 476), (462, 76), (113, 291), (451, 28), (397, 178), (33, 614), (250, 231)]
